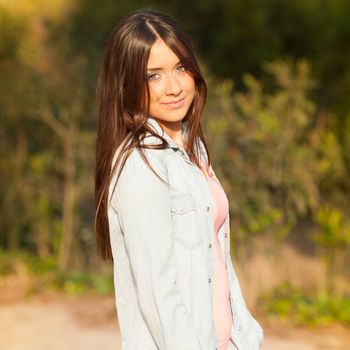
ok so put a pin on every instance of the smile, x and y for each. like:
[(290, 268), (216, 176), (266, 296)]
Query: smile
[(175, 104)]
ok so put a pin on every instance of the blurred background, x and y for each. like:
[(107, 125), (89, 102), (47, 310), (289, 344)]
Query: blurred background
[(277, 123)]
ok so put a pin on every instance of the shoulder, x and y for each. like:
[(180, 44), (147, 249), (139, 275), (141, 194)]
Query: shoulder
[(136, 162), (138, 179), (138, 166)]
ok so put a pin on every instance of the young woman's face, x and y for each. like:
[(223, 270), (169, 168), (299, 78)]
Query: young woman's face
[(171, 86)]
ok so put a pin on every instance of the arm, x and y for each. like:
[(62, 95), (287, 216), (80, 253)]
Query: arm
[(143, 206)]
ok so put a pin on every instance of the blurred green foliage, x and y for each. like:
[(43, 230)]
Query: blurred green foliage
[(305, 308), (44, 275), (270, 145), (334, 228), (333, 239)]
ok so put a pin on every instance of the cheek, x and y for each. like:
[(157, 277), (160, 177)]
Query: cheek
[(152, 100), (190, 85), (155, 95)]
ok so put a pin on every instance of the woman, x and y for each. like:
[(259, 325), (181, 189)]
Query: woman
[(161, 214)]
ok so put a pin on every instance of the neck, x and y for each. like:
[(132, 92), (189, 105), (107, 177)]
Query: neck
[(173, 129)]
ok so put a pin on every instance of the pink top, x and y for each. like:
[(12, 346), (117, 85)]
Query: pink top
[(221, 302)]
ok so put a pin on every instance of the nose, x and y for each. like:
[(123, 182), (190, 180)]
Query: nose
[(173, 86)]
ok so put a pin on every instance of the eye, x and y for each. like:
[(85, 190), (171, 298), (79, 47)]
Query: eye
[(152, 76), (181, 68)]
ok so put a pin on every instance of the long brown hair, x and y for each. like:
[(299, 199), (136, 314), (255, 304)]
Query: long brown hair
[(123, 102)]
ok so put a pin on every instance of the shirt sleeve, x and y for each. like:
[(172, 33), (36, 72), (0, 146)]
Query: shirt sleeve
[(251, 327), (143, 206)]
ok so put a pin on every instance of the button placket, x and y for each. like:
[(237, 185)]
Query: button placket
[(207, 208)]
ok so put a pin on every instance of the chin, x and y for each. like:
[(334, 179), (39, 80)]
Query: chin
[(171, 117), (177, 115)]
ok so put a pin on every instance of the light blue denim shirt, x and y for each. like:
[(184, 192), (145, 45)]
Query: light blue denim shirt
[(162, 244)]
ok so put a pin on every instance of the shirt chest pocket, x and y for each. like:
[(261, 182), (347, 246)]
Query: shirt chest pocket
[(184, 219)]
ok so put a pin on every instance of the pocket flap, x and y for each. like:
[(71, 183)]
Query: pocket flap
[(181, 203)]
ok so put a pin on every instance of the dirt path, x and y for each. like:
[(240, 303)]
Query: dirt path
[(89, 323)]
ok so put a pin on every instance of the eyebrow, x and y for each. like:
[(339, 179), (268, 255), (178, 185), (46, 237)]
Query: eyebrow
[(154, 69)]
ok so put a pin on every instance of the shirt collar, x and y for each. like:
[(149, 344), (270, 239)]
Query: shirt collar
[(150, 139)]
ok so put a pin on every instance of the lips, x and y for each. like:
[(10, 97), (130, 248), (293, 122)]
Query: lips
[(174, 104)]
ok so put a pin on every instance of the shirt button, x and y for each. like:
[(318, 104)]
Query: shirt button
[(209, 245), (208, 208), (180, 209), (209, 280)]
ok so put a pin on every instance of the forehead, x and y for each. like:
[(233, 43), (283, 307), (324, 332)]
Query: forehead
[(161, 55)]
